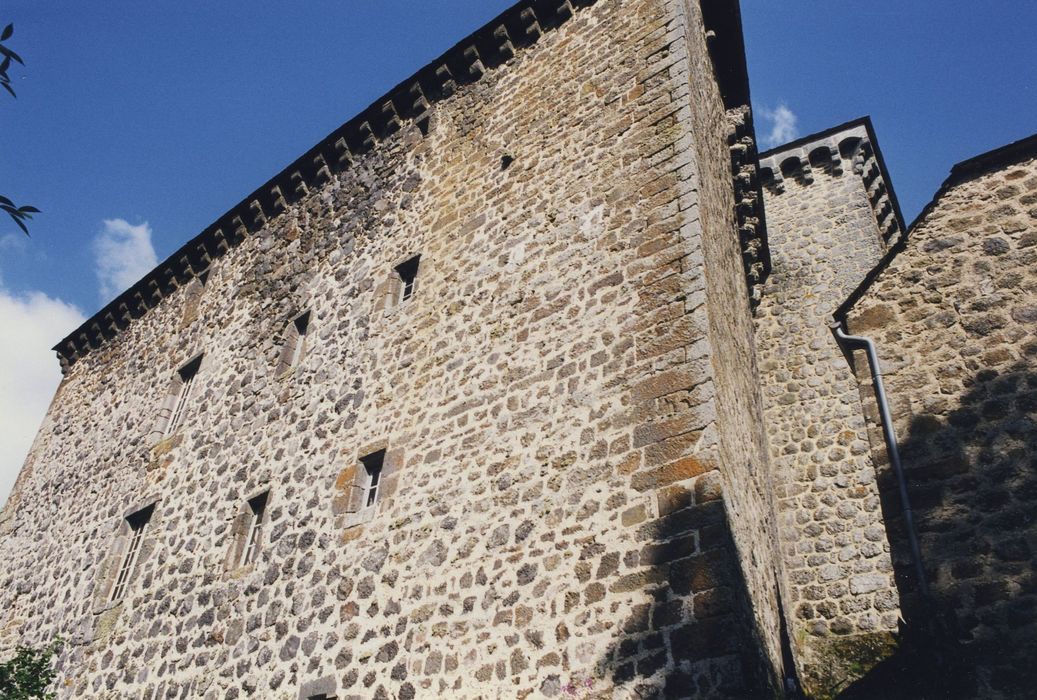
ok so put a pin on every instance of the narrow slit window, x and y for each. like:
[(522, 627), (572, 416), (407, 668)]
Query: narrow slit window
[(137, 523), (302, 326), (408, 273), (257, 512), (187, 375), (373, 466)]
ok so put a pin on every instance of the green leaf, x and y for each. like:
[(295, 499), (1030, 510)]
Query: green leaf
[(20, 224), (8, 31), (5, 200), (8, 88), (28, 674), (11, 54), (29, 210)]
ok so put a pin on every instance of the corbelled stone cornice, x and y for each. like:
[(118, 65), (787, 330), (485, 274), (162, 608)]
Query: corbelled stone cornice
[(752, 224), (852, 143), (410, 102)]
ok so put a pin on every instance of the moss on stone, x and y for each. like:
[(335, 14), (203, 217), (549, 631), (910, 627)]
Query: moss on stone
[(838, 662)]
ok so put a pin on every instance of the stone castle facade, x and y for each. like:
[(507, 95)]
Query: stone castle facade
[(536, 380)]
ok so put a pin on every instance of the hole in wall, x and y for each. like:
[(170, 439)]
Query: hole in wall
[(506, 161)]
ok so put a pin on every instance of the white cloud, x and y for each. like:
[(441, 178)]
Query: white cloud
[(783, 125), (29, 373), (13, 241), (122, 254)]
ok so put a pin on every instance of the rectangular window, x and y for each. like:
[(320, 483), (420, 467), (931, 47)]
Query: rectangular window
[(187, 374), (136, 522), (302, 325), (408, 273), (257, 508), (373, 466)]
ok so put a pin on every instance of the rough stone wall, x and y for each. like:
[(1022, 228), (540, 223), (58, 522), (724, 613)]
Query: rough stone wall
[(954, 316), (824, 239), (552, 516), (744, 476)]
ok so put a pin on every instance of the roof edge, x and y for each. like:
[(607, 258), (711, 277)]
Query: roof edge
[(960, 172), (801, 141), (1003, 155), (407, 104), (894, 229)]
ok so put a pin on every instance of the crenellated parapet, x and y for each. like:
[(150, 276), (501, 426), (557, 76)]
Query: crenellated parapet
[(409, 103), (849, 148)]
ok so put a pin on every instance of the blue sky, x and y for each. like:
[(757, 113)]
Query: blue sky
[(138, 123)]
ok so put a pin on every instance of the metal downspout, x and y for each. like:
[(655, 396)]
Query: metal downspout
[(891, 447)]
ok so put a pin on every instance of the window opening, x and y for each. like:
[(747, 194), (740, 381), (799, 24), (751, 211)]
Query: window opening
[(187, 375), (302, 325), (137, 523), (257, 506), (373, 466), (408, 272)]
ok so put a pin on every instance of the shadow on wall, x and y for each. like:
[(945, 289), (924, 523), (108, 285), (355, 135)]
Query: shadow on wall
[(692, 637), (972, 478)]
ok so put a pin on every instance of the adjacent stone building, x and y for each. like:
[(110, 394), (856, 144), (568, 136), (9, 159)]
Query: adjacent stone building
[(523, 383), (953, 309)]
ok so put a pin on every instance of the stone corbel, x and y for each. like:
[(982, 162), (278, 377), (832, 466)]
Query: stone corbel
[(168, 282), (141, 303), (111, 325), (222, 244), (530, 25), (837, 161), (204, 257), (322, 171), (259, 218), (299, 188), (344, 155), (563, 11), (187, 268), (420, 108), (240, 230), (365, 136), (504, 46), (390, 118), (475, 64), (65, 359), (154, 292), (445, 79), (279, 203)]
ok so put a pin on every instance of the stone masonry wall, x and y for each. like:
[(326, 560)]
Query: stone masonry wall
[(824, 239), (954, 316), (552, 515), (744, 476)]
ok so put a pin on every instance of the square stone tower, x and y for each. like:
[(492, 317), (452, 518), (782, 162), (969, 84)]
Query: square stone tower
[(463, 403), (832, 215)]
